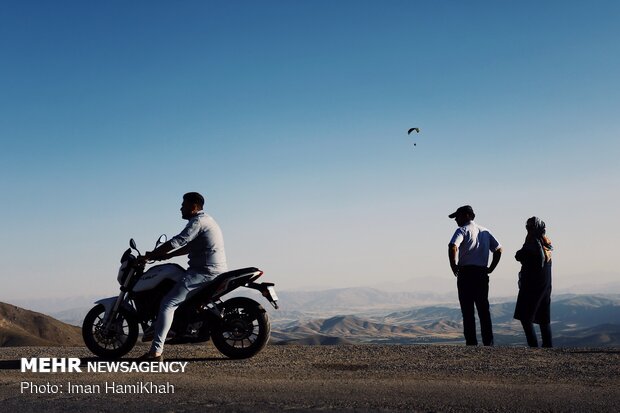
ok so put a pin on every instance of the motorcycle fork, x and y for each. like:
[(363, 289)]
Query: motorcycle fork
[(111, 315), (107, 321)]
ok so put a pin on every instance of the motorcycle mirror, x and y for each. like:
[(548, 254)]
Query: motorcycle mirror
[(132, 244), (162, 238)]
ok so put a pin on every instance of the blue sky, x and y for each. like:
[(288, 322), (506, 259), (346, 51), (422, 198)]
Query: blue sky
[(291, 117)]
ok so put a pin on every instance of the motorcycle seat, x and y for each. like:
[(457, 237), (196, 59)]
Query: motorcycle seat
[(216, 287), (235, 273)]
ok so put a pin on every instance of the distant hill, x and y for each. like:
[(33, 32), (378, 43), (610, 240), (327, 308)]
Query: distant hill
[(586, 309), (356, 329), (73, 316), (315, 340), (577, 321), (20, 327), (604, 335)]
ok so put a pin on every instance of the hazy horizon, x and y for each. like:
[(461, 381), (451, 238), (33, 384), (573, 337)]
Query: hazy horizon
[(445, 290), (291, 118)]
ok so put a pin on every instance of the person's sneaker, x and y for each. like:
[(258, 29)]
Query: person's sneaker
[(148, 356)]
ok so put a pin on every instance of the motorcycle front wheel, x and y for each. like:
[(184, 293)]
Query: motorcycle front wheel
[(120, 338), (244, 328)]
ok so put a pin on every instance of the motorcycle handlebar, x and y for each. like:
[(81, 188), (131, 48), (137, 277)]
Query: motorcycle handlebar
[(142, 261)]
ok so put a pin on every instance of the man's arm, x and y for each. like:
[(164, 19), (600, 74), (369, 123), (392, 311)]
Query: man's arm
[(165, 252), (181, 251), (497, 254), (160, 253), (452, 250), (179, 245)]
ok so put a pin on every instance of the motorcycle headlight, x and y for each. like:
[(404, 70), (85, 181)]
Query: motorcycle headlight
[(123, 272)]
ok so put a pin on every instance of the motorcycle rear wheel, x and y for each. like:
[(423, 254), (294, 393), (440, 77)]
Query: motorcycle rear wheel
[(115, 343), (244, 329)]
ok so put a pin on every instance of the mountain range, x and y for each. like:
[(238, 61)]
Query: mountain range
[(577, 320), (364, 315)]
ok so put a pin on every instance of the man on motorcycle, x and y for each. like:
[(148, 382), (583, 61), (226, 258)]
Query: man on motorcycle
[(202, 241)]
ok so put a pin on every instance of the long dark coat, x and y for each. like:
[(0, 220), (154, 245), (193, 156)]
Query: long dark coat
[(534, 300)]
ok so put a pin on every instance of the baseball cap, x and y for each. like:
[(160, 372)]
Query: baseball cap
[(465, 209)]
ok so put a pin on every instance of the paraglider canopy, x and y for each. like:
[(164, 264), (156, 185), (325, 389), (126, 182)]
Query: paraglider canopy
[(417, 130)]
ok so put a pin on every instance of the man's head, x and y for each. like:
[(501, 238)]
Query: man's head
[(463, 215), (193, 203)]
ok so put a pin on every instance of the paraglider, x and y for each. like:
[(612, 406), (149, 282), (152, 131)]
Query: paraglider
[(417, 130)]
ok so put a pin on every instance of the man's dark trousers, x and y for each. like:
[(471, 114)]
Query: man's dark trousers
[(473, 286)]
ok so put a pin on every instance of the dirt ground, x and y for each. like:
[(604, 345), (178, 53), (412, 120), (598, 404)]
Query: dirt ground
[(361, 378)]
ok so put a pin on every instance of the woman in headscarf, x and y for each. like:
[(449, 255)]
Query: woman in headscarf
[(534, 300)]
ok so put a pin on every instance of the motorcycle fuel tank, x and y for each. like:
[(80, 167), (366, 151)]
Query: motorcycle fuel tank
[(155, 275)]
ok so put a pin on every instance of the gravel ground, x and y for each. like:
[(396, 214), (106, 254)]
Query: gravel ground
[(361, 378)]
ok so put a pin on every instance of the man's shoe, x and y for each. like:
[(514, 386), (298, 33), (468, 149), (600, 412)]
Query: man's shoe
[(148, 356)]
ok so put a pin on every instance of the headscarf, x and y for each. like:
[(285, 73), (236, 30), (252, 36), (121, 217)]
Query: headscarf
[(538, 229)]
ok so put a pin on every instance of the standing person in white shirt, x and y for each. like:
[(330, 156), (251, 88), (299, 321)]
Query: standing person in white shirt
[(472, 243)]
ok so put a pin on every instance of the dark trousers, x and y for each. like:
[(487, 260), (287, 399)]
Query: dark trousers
[(473, 286), (530, 334)]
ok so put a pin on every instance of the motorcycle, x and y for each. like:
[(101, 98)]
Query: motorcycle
[(239, 326)]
